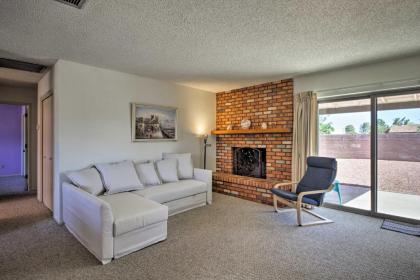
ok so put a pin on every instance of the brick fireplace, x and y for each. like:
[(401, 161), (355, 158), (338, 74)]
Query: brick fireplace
[(249, 163)]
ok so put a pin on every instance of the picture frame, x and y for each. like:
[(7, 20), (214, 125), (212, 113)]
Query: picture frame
[(153, 123)]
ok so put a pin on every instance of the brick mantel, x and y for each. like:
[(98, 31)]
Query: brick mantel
[(271, 103)]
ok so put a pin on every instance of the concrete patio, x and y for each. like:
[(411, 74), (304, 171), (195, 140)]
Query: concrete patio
[(399, 186), (397, 204)]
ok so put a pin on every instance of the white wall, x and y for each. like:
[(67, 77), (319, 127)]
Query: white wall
[(385, 75), (92, 119)]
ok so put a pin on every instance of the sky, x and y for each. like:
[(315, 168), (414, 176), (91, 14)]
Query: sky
[(339, 121), (163, 113)]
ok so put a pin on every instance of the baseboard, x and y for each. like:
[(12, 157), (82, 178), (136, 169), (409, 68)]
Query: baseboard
[(25, 193), (12, 175)]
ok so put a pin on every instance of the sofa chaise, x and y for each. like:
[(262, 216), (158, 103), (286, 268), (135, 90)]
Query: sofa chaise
[(117, 208)]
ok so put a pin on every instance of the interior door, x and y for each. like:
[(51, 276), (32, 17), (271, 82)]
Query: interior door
[(47, 152)]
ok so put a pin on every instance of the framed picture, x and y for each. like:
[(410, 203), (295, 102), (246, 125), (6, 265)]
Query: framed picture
[(153, 123)]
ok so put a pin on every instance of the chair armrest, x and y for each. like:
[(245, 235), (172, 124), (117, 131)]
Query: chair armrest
[(302, 194), (90, 220), (278, 185), (205, 176)]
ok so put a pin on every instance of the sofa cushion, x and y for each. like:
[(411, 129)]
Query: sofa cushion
[(167, 169), (172, 191), (119, 177), (132, 212), (87, 179), (147, 174), (185, 165)]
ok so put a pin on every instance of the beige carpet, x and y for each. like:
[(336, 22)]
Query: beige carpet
[(231, 239)]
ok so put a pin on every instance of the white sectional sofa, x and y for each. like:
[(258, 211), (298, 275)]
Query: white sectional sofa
[(112, 223)]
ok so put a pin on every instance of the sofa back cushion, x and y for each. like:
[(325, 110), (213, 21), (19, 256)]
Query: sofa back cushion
[(87, 179), (147, 173), (167, 169), (119, 177), (185, 165)]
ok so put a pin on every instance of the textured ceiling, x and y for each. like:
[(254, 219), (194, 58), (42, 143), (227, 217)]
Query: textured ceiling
[(213, 45)]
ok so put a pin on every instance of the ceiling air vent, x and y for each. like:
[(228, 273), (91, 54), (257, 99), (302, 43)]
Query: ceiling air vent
[(21, 65), (74, 3)]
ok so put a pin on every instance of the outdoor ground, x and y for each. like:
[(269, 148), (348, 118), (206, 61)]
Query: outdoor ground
[(393, 176), (398, 192)]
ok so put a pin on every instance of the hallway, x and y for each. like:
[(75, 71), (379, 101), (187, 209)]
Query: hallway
[(12, 185), (20, 212)]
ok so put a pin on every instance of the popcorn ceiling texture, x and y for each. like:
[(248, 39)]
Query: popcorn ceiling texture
[(271, 103), (212, 45)]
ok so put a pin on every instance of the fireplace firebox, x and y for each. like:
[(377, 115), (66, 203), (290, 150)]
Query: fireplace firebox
[(249, 162)]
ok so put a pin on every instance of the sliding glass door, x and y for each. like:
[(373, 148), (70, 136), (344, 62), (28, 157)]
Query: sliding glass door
[(344, 129), (376, 140), (398, 155)]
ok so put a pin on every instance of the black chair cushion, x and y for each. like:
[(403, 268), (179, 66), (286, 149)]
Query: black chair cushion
[(320, 174), (322, 162), (292, 196)]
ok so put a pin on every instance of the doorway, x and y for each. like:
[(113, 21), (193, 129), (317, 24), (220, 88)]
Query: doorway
[(376, 140), (14, 149)]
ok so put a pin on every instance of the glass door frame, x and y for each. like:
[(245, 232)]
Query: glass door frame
[(373, 96)]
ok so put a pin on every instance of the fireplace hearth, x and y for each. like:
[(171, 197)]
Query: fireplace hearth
[(249, 162)]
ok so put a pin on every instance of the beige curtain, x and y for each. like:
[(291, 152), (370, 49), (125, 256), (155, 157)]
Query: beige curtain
[(305, 131)]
